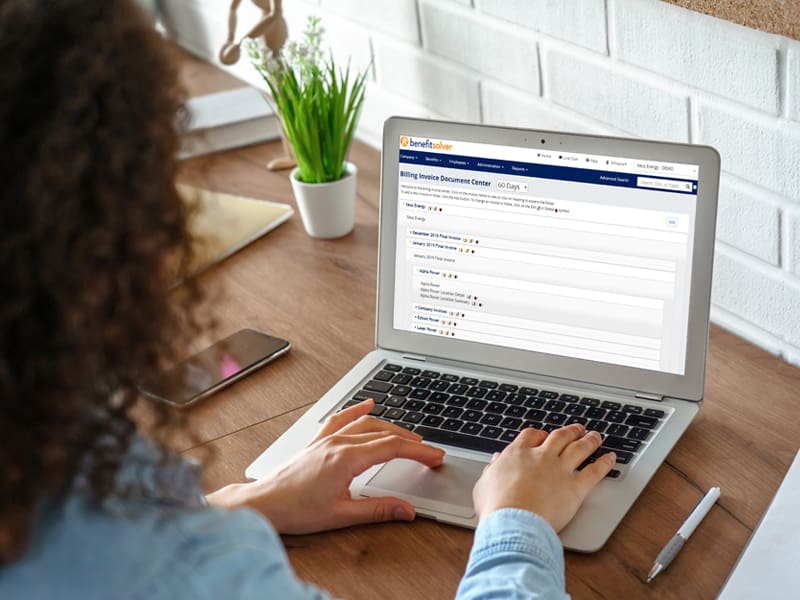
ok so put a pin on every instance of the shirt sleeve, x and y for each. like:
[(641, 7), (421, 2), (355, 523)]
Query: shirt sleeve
[(516, 554)]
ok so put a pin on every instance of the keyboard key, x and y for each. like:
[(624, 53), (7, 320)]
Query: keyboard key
[(477, 404), (414, 405), (568, 398), (439, 386), (515, 411), (637, 433), (391, 367), (555, 405), (491, 432), (488, 384), (472, 415), (377, 410), (376, 396), (420, 382), (433, 420), (509, 387), (411, 370), (420, 394), (471, 428), (581, 420), (622, 457), (611, 405), (401, 390), (528, 391), (532, 424), (595, 425), (590, 401), (508, 436), (452, 424), (402, 378), (496, 407), (595, 413), (556, 418), (408, 426), (632, 409), (548, 395), (550, 427), (439, 397), (477, 392), (383, 376), (535, 414), (457, 400), (654, 412), (613, 474), (615, 416), (490, 419), (460, 440), (348, 404), (433, 408), (575, 409), (618, 443), (413, 417), (431, 374), (617, 429), (511, 423), (378, 386), (394, 414), (395, 401), (532, 402), (641, 421), (453, 412), (457, 388), (469, 381), (449, 378), (496, 396), (515, 399)]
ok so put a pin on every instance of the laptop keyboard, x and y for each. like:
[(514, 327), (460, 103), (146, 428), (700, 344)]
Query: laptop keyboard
[(486, 415)]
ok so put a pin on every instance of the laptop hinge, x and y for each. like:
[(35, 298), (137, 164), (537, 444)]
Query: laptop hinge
[(646, 396), (414, 357)]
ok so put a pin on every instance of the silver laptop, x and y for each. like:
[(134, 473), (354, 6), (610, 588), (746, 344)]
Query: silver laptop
[(531, 279)]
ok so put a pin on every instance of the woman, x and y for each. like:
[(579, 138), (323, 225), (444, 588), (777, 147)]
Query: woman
[(90, 224)]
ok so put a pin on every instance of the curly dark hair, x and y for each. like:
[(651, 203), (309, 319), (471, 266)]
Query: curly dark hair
[(90, 224)]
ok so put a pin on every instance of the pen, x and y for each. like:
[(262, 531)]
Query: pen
[(670, 551)]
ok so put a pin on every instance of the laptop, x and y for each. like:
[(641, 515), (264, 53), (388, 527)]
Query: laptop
[(531, 279)]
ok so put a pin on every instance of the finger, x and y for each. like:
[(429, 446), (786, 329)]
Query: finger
[(593, 474), (336, 421), (561, 438), (529, 438), (579, 450), (365, 424), (375, 510), (387, 447)]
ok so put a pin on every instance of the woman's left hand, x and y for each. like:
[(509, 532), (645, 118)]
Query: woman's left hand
[(312, 493)]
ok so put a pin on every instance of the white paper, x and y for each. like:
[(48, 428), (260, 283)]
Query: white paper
[(768, 567)]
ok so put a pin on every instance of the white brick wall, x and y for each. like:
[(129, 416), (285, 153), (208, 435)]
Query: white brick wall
[(635, 67)]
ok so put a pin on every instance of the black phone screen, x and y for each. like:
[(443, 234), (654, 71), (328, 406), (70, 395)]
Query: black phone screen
[(211, 368)]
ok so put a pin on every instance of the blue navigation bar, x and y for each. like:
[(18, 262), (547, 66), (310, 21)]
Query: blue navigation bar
[(521, 169)]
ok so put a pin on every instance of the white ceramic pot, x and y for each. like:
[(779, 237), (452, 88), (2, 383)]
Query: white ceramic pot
[(328, 209)]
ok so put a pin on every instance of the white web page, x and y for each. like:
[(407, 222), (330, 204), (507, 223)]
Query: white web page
[(575, 269)]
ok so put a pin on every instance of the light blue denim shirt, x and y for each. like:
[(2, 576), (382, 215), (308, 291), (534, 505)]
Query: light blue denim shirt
[(166, 545)]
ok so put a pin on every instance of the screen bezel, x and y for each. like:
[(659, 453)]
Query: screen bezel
[(688, 386)]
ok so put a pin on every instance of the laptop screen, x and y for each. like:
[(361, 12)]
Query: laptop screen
[(576, 255)]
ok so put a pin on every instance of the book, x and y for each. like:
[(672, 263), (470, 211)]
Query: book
[(229, 119), (222, 224)]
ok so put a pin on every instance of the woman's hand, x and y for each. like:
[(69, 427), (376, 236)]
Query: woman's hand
[(536, 472), (312, 492)]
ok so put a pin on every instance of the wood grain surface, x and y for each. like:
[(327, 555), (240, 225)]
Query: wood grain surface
[(321, 296)]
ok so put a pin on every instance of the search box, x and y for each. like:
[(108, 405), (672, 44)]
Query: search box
[(664, 184)]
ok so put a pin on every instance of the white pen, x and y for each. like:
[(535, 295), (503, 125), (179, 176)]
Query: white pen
[(670, 551)]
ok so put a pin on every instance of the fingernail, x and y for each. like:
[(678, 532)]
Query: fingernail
[(403, 513)]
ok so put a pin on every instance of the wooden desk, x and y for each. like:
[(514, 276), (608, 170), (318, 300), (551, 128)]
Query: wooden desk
[(321, 296)]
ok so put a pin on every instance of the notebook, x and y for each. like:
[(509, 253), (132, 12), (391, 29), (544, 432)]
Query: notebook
[(531, 279), (223, 224)]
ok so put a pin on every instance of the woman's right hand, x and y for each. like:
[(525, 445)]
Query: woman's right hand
[(537, 473)]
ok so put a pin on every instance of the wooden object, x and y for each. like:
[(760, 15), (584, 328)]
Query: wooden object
[(321, 296), (781, 17)]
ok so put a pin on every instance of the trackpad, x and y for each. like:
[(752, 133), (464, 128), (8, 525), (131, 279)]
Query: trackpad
[(447, 489)]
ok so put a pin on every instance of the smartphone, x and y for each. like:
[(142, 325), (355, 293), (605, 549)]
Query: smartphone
[(215, 368)]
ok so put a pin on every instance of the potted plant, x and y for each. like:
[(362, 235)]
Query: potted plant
[(319, 105)]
